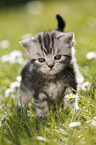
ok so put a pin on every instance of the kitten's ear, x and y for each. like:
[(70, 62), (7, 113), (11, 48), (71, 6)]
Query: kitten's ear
[(29, 45), (26, 44), (61, 23), (69, 39)]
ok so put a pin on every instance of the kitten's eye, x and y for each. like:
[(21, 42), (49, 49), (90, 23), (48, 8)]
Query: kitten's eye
[(41, 59), (57, 57)]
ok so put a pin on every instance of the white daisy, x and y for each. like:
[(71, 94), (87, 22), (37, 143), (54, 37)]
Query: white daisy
[(74, 124)]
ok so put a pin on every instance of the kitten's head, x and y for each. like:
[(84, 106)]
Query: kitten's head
[(49, 51)]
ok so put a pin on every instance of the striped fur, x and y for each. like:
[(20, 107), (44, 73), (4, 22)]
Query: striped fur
[(51, 70), (46, 41)]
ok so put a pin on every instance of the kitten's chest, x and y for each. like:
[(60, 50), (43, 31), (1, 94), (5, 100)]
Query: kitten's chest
[(54, 90)]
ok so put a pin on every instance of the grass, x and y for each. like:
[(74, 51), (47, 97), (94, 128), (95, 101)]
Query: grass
[(21, 128)]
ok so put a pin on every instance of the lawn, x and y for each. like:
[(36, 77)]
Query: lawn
[(71, 127)]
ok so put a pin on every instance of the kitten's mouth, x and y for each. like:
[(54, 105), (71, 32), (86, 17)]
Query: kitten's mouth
[(52, 72)]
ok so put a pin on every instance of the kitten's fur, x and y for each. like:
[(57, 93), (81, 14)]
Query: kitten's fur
[(51, 69)]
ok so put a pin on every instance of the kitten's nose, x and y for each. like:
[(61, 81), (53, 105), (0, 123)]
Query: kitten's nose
[(51, 66)]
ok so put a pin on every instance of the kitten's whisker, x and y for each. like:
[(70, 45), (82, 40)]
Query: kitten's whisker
[(36, 76), (64, 74), (68, 72)]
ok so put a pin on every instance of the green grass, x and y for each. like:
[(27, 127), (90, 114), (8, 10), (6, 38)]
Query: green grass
[(20, 129)]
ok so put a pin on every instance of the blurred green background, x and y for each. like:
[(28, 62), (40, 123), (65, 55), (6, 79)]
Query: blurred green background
[(18, 19)]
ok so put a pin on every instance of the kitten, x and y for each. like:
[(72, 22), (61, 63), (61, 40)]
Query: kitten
[(51, 71)]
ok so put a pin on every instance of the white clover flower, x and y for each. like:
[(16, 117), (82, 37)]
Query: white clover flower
[(0, 123), (12, 88), (81, 84), (88, 121), (4, 117), (5, 58), (15, 56), (49, 123), (95, 117), (42, 138), (15, 85), (91, 55), (8, 91), (74, 124), (80, 136), (94, 123), (29, 113), (35, 7), (85, 86), (1, 107), (71, 99), (26, 36), (60, 130), (4, 44), (18, 78)]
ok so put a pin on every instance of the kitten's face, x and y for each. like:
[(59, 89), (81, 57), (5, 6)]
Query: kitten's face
[(49, 52), (50, 64)]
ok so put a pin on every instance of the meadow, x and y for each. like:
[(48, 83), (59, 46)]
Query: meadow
[(73, 126)]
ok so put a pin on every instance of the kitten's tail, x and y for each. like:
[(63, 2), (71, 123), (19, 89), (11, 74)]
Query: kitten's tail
[(61, 23)]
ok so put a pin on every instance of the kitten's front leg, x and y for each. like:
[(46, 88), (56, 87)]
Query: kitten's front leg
[(42, 105), (24, 96)]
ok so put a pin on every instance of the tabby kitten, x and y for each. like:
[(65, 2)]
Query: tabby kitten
[(50, 72)]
